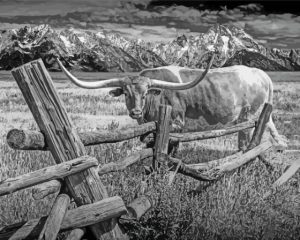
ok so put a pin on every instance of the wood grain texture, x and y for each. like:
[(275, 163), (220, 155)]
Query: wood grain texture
[(261, 126), (188, 137), (25, 140), (45, 189), (128, 161), (58, 171), (244, 135), (76, 234), (214, 163), (83, 216), (34, 140), (139, 206), (20, 139), (236, 161), (162, 133), (64, 143), (288, 174), (185, 169), (55, 218)]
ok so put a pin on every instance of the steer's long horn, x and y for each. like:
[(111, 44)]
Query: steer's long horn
[(181, 86), (114, 82)]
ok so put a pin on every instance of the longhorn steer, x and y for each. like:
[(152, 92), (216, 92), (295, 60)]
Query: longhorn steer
[(219, 97)]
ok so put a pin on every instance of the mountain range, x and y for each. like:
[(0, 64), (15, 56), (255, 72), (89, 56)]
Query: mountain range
[(88, 50)]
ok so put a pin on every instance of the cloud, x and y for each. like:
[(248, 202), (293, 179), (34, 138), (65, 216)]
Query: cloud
[(53, 7)]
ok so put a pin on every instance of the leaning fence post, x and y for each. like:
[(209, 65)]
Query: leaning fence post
[(244, 135), (62, 139), (162, 134), (260, 126)]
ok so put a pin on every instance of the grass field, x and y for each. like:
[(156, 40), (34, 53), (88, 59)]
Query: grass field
[(233, 208)]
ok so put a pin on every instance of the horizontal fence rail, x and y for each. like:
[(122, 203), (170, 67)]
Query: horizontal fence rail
[(45, 189), (82, 216), (188, 137), (34, 140), (128, 161), (58, 171)]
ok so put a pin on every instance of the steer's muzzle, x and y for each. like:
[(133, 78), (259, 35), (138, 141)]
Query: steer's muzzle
[(135, 114)]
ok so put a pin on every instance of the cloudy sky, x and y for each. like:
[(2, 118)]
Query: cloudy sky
[(51, 7), (281, 30)]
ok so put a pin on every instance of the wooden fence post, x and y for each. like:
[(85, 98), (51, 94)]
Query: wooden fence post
[(162, 134), (64, 143), (260, 126), (244, 135)]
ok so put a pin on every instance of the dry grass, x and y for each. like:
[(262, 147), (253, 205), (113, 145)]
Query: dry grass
[(233, 208)]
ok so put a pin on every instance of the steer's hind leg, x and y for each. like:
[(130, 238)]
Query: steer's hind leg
[(281, 140)]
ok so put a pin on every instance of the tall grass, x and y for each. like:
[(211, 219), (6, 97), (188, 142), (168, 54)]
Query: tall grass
[(233, 208)]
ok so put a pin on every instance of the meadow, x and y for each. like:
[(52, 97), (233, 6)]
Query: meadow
[(232, 208)]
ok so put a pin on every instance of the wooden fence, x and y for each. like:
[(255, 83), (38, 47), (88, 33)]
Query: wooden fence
[(76, 175)]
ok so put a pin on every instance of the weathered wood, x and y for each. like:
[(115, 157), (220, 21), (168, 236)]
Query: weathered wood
[(83, 216), (205, 166), (58, 171), (34, 140), (45, 189), (55, 218), (76, 234), (25, 140), (139, 206), (122, 165), (287, 174), (283, 178), (64, 143), (188, 137), (162, 133), (244, 135), (106, 136), (185, 169), (261, 126), (237, 161)]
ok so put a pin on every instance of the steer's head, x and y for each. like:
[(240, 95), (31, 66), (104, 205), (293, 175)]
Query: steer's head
[(135, 88)]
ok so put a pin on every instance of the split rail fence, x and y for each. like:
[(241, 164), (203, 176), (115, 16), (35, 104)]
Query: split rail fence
[(76, 175)]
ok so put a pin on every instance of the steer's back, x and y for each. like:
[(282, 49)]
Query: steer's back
[(221, 95)]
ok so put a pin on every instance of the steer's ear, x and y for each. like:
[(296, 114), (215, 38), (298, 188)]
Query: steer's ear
[(116, 92), (154, 91)]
